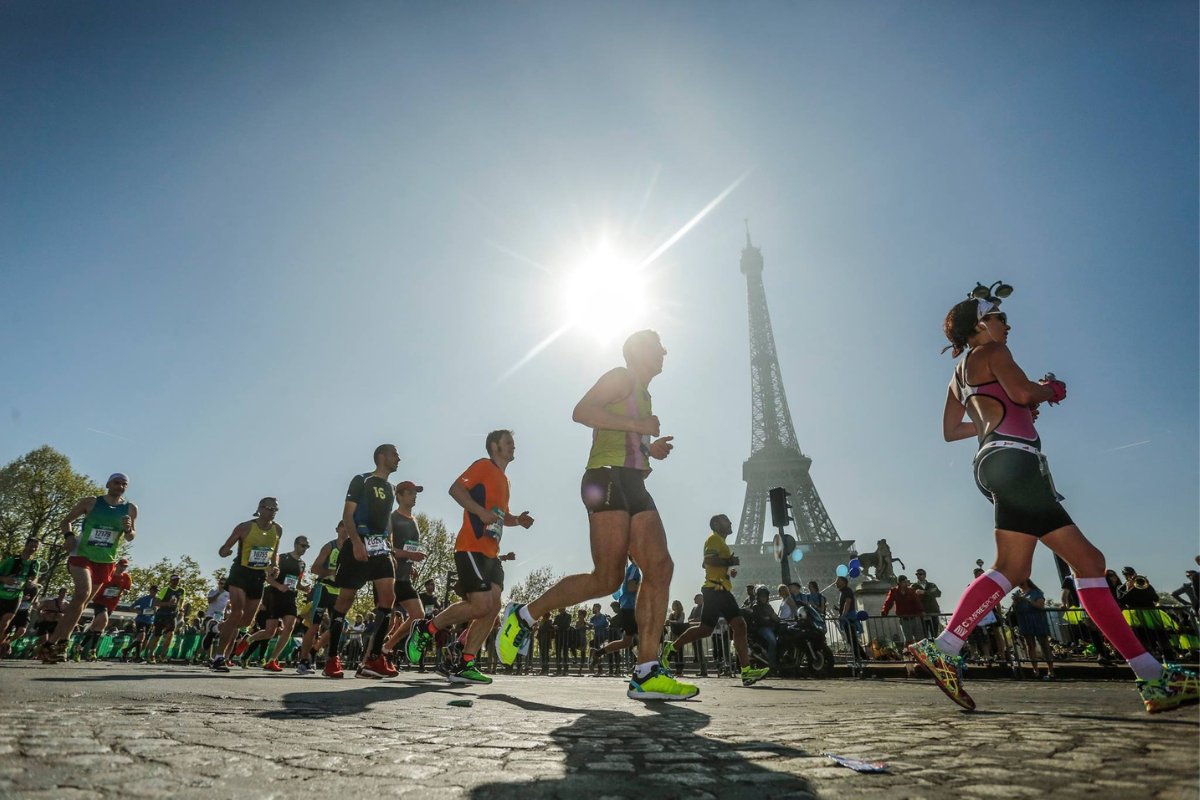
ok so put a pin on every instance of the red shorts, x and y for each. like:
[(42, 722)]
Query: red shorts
[(101, 573)]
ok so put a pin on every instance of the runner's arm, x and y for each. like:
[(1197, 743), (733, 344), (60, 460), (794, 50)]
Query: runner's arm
[(954, 427), (613, 386), (464, 499), (319, 569), (132, 532), (351, 529), (81, 509), (1013, 379)]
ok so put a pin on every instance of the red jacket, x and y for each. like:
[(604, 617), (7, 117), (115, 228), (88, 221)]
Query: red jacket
[(905, 600)]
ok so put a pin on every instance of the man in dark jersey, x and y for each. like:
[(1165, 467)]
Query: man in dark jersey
[(280, 597), (366, 557), (166, 605), (324, 595), (16, 572), (406, 549)]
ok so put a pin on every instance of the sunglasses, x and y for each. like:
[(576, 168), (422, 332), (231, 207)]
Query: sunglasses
[(270, 508), (1000, 315)]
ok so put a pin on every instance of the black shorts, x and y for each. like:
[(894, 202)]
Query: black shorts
[(1020, 487), (250, 581), (279, 604), (405, 591), (616, 489), (143, 626), (353, 574), (164, 624), (718, 603), (97, 608), (262, 616), (46, 627), (322, 600), (9, 605), (627, 621), (19, 620), (477, 572)]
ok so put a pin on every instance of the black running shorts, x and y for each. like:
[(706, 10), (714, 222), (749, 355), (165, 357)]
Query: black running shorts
[(164, 624), (627, 621), (477, 572), (353, 574), (616, 489), (279, 604), (9, 605), (250, 581), (322, 600), (1019, 485), (718, 603), (19, 620), (405, 591), (46, 627)]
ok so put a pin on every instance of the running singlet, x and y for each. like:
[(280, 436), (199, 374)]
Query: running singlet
[(143, 605), (103, 529), (171, 597), (255, 551), (291, 570), (717, 577), (110, 593), (488, 486), (330, 564), (623, 448), (406, 536), (1016, 422), (15, 566)]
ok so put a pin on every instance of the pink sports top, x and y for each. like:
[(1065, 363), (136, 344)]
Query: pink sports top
[(1016, 422)]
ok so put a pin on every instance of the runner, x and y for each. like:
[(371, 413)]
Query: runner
[(622, 518), (50, 613), (1001, 404), (16, 574), (482, 491), (106, 521), (406, 549), (20, 621), (107, 598), (324, 595), (166, 604), (626, 617), (719, 602), (143, 622), (214, 615), (366, 556), (281, 601), (257, 541)]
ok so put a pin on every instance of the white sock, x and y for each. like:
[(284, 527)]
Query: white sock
[(948, 643), (644, 669), (1146, 667), (525, 615)]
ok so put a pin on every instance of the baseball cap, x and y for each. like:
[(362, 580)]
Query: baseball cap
[(174, 577), (124, 561), (408, 486)]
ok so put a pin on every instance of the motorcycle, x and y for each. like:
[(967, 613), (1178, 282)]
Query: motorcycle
[(802, 647)]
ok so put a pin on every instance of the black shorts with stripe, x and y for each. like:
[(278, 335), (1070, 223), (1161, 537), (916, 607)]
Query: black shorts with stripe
[(477, 572)]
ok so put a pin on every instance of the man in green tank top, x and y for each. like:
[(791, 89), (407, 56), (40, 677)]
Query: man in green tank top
[(107, 521), (16, 573), (622, 518)]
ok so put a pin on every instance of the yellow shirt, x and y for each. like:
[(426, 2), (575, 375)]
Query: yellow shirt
[(717, 577)]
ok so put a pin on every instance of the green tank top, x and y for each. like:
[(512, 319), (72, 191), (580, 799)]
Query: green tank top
[(256, 549), (103, 529), (623, 448)]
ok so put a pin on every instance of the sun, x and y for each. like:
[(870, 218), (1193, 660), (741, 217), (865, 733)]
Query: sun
[(606, 295)]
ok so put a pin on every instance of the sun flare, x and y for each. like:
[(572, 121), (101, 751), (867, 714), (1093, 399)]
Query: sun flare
[(606, 295)]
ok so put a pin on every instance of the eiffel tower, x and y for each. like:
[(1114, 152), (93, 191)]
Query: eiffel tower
[(775, 456)]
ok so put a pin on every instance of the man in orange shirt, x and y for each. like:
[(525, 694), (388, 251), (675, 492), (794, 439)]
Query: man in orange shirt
[(482, 491)]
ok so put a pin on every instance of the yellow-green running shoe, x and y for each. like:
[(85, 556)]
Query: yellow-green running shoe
[(659, 685), (664, 657), (513, 634), (419, 638), (752, 675), (945, 669), (467, 672), (1176, 688)]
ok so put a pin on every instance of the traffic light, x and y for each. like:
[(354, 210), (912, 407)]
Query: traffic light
[(780, 508)]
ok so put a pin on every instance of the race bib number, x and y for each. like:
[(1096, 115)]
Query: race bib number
[(429, 610), (101, 537), (411, 546), (290, 582), (376, 545), (112, 591), (260, 556)]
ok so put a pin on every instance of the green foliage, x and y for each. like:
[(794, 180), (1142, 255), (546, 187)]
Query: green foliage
[(534, 585), (195, 588), (36, 492)]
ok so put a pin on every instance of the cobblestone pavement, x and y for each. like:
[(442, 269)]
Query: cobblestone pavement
[(76, 730)]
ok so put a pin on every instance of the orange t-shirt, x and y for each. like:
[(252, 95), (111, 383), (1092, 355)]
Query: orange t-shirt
[(488, 485)]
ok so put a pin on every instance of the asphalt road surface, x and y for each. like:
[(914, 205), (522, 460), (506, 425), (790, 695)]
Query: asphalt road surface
[(78, 730)]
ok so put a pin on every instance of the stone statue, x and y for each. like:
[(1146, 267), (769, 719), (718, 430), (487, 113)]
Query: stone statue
[(881, 561)]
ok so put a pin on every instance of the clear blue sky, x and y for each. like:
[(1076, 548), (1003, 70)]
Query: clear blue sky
[(255, 240)]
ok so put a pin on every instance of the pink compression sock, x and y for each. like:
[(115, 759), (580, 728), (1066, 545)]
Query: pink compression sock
[(1099, 604), (980, 597)]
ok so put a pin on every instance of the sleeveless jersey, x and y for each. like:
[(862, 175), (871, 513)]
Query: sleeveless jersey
[(331, 563), (623, 448), (102, 532), (256, 549), (1016, 422)]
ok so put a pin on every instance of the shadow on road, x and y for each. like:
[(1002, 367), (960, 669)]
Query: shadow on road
[(662, 756), (342, 702)]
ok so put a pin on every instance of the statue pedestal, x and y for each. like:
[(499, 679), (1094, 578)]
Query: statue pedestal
[(870, 595)]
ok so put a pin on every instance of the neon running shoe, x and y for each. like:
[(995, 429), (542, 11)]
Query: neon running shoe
[(333, 668), (513, 634), (945, 669), (1177, 687), (151, 659), (304, 669), (374, 667), (272, 666), (466, 672), (419, 638), (659, 685), (664, 657), (752, 675), (219, 665)]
